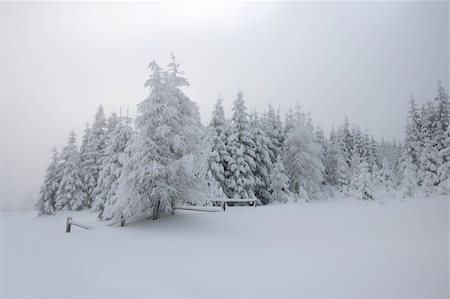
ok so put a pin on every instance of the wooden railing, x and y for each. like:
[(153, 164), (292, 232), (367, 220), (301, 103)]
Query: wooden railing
[(71, 222), (219, 205), (153, 215)]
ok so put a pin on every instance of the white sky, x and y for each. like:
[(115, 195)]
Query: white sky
[(59, 61)]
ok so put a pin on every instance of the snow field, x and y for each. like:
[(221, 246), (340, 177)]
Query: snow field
[(332, 249)]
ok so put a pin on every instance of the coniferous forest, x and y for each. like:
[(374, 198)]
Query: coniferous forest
[(165, 156), (294, 149)]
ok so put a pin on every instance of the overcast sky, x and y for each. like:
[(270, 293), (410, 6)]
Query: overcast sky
[(59, 61)]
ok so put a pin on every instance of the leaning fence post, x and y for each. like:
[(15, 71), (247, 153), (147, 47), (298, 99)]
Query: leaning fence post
[(68, 224), (224, 205), (122, 222)]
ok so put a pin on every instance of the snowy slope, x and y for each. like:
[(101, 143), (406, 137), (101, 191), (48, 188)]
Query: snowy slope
[(340, 248)]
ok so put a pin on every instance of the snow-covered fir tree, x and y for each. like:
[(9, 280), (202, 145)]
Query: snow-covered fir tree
[(357, 153), (411, 151), (355, 163), (212, 187), (335, 165), (111, 124), (429, 159), (105, 180), (279, 184), (309, 123), (359, 149), (273, 129), (302, 195), (444, 168), (263, 162), (319, 138), (219, 155), (372, 155), (441, 117), (362, 183), (299, 117), (165, 164), (280, 133), (218, 119), (346, 141), (413, 139), (85, 138), (394, 160), (112, 164), (330, 158), (49, 189), (240, 181), (93, 153), (70, 194), (385, 175), (303, 162), (388, 150), (289, 120), (409, 177)]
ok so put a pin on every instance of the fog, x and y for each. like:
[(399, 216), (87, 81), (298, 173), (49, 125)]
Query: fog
[(59, 61)]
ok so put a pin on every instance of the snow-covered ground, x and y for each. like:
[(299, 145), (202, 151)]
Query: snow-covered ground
[(335, 249)]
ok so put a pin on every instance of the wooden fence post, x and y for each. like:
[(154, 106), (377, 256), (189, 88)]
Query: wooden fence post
[(68, 224)]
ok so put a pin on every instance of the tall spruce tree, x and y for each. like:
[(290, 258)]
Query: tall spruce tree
[(93, 154), (409, 176), (112, 166), (429, 160), (362, 183), (111, 125), (85, 139), (70, 195), (280, 133), (444, 169), (335, 165), (303, 163), (289, 120), (300, 117), (411, 150), (240, 180), (441, 117), (385, 176), (319, 139), (279, 184), (263, 162), (165, 166), (373, 157), (345, 139), (413, 139), (273, 128), (219, 155), (49, 189)]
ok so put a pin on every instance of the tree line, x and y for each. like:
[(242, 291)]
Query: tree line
[(168, 157)]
